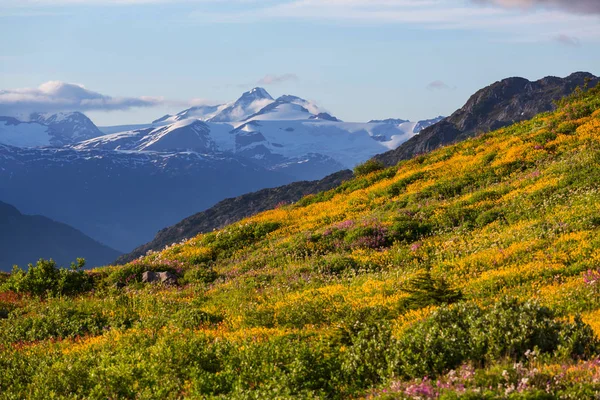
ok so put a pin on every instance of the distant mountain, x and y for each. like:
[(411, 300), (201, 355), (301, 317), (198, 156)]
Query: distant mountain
[(203, 113), (393, 121), (68, 127), (27, 238), (36, 130), (249, 103), (122, 198), (495, 106), (232, 210), (23, 134), (289, 135), (122, 184), (186, 135), (427, 123), (325, 117)]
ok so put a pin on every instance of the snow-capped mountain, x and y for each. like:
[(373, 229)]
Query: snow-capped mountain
[(427, 123), (37, 130), (186, 135), (287, 108), (68, 127), (203, 113), (249, 103), (288, 134), (107, 182)]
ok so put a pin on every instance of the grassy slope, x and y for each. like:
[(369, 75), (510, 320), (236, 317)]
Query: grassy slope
[(514, 212)]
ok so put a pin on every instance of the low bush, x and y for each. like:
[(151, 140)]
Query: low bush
[(467, 333), (368, 167), (425, 290), (50, 320), (45, 278)]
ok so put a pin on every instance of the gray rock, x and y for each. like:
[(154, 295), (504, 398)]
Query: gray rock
[(166, 278), (149, 277)]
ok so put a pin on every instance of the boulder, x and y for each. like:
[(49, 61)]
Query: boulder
[(167, 278)]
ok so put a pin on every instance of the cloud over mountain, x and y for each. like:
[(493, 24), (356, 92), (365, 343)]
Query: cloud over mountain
[(271, 79), (54, 96)]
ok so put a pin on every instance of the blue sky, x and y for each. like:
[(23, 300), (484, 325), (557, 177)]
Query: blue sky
[(358, 59)]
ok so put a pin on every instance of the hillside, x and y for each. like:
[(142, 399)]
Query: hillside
[(27, 238), (232, 210), (457, 273), (495, 106), (498, 104)]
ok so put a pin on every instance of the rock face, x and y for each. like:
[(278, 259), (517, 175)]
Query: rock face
[(166, 278), (500, 104), (231, 210)]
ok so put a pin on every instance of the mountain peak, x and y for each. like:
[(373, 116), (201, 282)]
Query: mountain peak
[(249, 103), (257, 93)]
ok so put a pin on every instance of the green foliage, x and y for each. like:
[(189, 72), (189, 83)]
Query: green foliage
[(201, 274), (50, 320), (425, 290), (409, 228), (368, 167), (45, 278), (336, 265), (226, 242), (132, 272), (467, 333), (367, 359)]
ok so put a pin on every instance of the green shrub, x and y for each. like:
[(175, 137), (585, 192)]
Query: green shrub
[(467, 333), (336, 265), (424, 290), (566, 128), (201, 274), (366, 361), (192, 318), (133, 272), (236, 237), (407, 228), (487, 217), (54, 319), (45, 278), (367, 167)]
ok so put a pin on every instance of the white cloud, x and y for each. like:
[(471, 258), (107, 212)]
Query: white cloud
[(532, 24), (567, 40), (57, 96), (271, 79), (438, 85), (512, 20)]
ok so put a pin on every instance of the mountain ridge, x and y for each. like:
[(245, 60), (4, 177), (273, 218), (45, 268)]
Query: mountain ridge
[(27, 238), (497, 105)]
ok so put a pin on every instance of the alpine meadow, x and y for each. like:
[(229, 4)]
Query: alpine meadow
[(300, 200), (469, 272)]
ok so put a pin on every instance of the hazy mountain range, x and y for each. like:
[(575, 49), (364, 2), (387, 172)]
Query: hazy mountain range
[(120, 185)]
